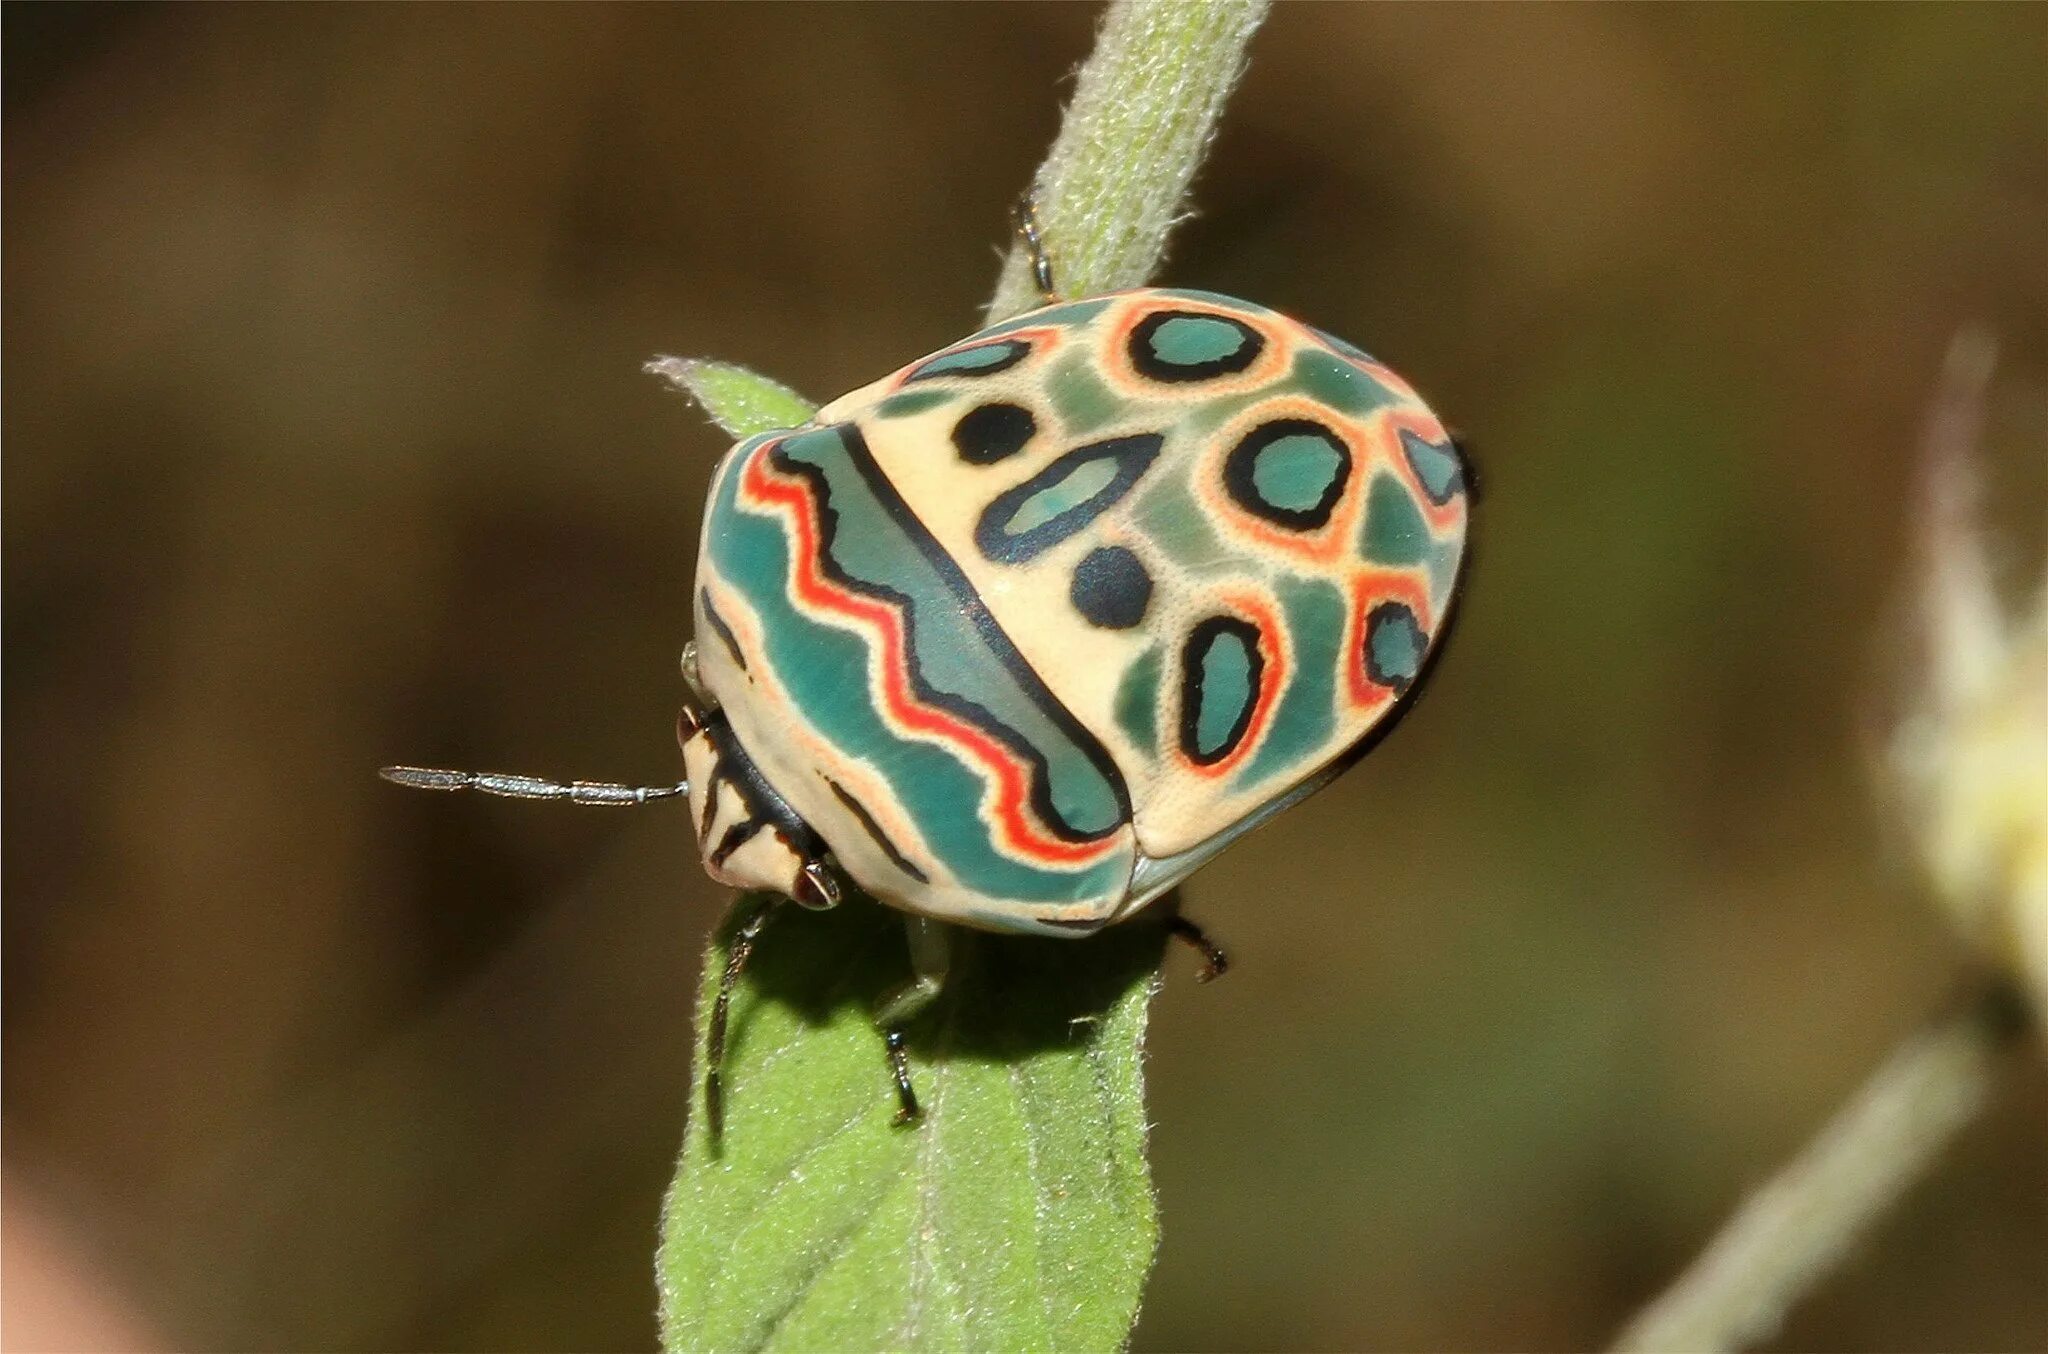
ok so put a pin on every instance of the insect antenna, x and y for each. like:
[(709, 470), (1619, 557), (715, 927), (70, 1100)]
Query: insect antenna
[(601, 793), (714, 1044)]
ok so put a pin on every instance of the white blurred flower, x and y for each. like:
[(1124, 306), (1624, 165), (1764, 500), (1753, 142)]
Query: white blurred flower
[(1969, 757)]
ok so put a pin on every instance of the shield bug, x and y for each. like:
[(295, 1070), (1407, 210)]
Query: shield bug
[(1021, 634)]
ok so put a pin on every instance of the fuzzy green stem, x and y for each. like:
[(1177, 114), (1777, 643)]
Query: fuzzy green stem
[(1144, 112), (1794, 1231)]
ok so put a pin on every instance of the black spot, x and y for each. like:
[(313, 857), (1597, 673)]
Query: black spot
[(992, 432), (1111, 588), (1240, 471), (1193, 663), (1148, 362), (1132, 456)]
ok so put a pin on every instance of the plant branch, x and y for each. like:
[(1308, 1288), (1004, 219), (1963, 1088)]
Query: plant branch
[(1794, 1231), (1144, 111)]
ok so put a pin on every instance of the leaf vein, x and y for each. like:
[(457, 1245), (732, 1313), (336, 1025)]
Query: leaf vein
[(1040, 1221), (842, 1241)]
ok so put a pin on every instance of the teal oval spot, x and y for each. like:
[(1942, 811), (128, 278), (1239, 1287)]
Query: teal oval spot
[(1221, 669), (1178, 347), (983, 359), (1191, 340), (1226, 691), (1080, 484), (1293, 473), (1394, 645), (1032, 517)]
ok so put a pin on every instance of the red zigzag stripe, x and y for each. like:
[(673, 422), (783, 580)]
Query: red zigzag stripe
[(1007, 777)]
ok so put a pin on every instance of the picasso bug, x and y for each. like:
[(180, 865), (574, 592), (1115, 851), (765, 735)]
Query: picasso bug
[(1023, 633)]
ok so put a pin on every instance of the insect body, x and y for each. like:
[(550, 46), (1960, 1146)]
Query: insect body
[(1019, 635)]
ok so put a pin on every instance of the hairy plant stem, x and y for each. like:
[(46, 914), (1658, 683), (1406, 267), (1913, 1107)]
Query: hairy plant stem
[(1144, 111), (1795, 1230)]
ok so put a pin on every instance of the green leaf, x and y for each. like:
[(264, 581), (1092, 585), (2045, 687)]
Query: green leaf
[(740, 401), (1017, 1215)]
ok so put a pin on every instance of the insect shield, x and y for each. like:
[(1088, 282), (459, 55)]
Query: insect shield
[(1027, 630), (1021, 634)]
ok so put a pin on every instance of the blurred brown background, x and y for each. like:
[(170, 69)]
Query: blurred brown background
[(326, 445)]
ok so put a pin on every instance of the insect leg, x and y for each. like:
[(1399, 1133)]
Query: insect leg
[(1025, 215), (714, 1045), (1215, 963), (899, 1067), (603, 793), (931, 953)]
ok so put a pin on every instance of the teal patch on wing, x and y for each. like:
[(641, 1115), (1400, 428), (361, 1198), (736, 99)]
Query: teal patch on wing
[(1226, 691), (1189, 340), (1071, 314), (1079, 486), (1295, 472), (910, 402), (1137, 702), (1079, 396), (1330, 380), (1289, 471), (1029, 519), (1437, 466), (1307, 714), (1174, 523), (1395, 533), (1394, 645), (826, 670), (1221, 675), (1187, 347), (978, 359)]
